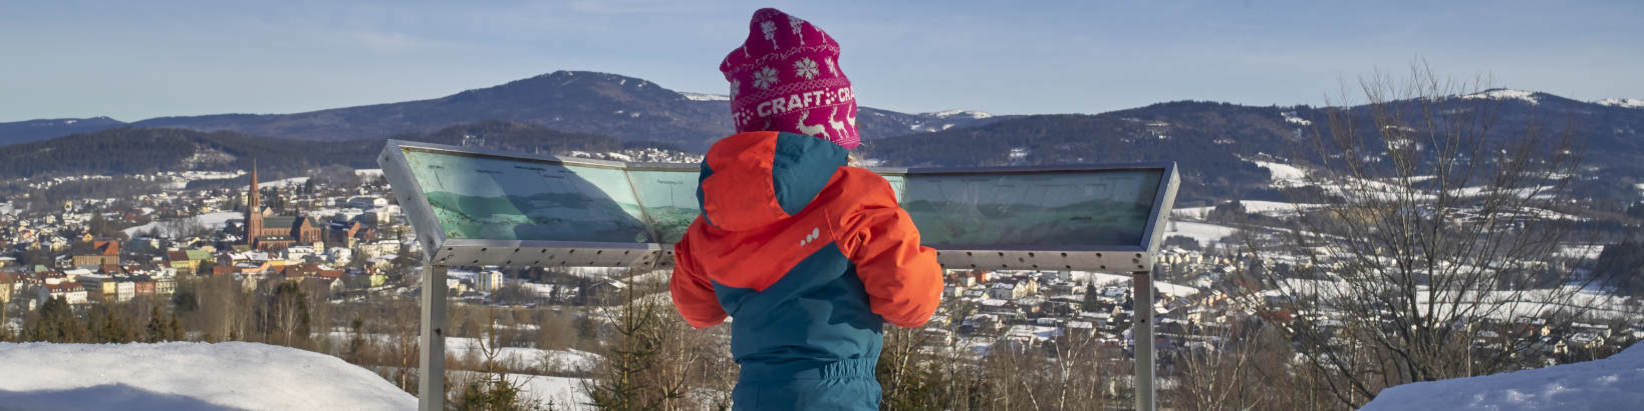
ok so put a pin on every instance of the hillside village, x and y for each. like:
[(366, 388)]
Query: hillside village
[(351, 241)]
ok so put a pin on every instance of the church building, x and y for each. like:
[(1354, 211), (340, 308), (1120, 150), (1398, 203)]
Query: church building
[(266, 232)]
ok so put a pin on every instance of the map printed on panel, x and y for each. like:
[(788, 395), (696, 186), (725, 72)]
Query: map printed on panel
[(669, 199), (480, 197), (476, 196), (1045, 210)]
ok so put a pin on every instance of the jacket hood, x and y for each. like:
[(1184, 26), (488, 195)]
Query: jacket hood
[(753, 179)]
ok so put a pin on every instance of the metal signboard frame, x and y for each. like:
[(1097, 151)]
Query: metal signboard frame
[(537, 253), (441, 251)]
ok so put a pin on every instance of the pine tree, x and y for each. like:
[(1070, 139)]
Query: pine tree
[(157, 328), (1091, 303), (56, 323), (174, 328)]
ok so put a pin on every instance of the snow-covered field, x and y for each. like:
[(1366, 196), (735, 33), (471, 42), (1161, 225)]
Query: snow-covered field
[(1504, 94), (1503, 305), (1589, 251), (1267, 208), (298, 181), (461, 347), (1608, 384), (187, 376), (1285, 175), (1205, 233), (1622, 102), (705, 97), (210, 221), (1169, 289), (559, 360), (563, 393)]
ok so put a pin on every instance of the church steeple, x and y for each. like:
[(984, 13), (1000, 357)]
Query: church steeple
[(253, 210)]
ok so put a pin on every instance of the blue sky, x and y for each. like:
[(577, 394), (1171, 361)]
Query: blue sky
[(136, 60)]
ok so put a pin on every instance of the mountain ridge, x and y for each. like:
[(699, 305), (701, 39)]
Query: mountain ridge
[(625, 108)]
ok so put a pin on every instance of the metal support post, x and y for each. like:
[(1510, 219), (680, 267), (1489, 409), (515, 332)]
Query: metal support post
[(431, 355), (1141, 332)]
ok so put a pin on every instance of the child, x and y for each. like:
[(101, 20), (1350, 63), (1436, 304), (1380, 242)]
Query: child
[(810, 256)]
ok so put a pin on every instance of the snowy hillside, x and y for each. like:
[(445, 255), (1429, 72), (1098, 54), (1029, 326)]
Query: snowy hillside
[(1607, 384), (1621, 102), (171, 228), (187, 376), (1505, 94)]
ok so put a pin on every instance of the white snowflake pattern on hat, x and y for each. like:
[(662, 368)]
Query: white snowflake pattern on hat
[(805, 68), (832, 67), (797, 26), (765, 78), (769, 27), (735, 85)]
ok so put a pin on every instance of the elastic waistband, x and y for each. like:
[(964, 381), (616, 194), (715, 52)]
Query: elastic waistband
[(753, 371)]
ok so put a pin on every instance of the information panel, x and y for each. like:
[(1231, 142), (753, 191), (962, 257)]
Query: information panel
[(493, 198), (480, 207), (1048, 211)]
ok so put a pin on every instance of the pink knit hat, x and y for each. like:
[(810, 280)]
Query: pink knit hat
[(786, 77)]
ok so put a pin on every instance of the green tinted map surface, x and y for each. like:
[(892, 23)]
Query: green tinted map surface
[(1037, 209), (514, 199), (483, 197), (669, 199)]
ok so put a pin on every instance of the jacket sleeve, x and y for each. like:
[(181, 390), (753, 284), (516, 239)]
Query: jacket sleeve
[(692, 293), (902, 278)]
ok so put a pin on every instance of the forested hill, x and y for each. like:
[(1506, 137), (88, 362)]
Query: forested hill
[(1207, 139), (624, 108), (133, 150), (1217, 144)]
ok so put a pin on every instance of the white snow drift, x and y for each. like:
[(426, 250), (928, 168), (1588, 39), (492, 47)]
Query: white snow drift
[(187, 376), (1608, 384)]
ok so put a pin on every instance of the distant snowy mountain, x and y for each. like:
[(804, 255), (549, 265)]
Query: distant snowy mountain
[(1621, 102), (1608, 384), (967, 114), (187, 376), (705, 97), (1506, 94)]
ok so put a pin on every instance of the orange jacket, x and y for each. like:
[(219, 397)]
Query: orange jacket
[(802, 250)]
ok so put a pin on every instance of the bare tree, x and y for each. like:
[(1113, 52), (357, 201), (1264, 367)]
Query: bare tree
[(1433, 223), (1218, 372)]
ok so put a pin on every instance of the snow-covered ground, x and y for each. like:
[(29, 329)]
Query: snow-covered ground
[(1622, 102), (1586, 252), (569, 360), (563, 393), (209, 221), (1168, 289), (1205, 233), (187, 376), (1504, 94), (1285, 175), (298, 181), (1292, 118), (559, 360), (1608, 384), (973, 114), (1267, 208), (705, 97), (1501, 305)]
